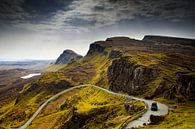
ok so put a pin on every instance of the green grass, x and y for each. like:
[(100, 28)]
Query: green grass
[(94, 106), (49, 121), (54, 67), (147, 59), (15, 113), (90, 69), (53, 77), (102, 63)]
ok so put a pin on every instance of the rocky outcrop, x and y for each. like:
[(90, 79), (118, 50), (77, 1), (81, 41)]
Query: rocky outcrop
[(181, 90), (167, 90), (129, 77), (100, 47), (156, 119), (186, 86), (115, 54), (96, 48), (67, 56)]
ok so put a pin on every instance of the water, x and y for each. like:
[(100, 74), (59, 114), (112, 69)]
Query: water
[(30, 75)]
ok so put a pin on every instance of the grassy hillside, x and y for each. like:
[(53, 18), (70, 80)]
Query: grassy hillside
[(54, 67), (91, 69), (86, 103), (18, 111), (86, 108)]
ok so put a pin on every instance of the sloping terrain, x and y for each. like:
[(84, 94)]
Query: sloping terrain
[(11, 84), (155, 67), (86, 108), (34, 93)]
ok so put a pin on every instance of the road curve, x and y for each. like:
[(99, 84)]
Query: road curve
[(145, 119)]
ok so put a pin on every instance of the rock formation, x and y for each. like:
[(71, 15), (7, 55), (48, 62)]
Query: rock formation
[(129, 77), (67, 56)]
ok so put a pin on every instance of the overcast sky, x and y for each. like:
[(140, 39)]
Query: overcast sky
[(42, 29)]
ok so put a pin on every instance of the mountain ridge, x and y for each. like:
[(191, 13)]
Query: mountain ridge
[(167, 39), (67, 56)]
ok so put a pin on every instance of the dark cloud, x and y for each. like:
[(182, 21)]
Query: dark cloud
[(158, 9), (45, 8), (73, 24), (11, 10), (82, 15), (29, 11)]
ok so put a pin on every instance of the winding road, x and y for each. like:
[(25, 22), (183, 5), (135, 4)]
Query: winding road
[(145, 119)]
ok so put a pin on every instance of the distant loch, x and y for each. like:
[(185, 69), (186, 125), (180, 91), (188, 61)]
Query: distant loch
[(30, 75)]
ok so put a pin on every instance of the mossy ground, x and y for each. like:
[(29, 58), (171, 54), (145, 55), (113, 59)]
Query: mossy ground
[(54, 67), (90, 69), (13, 115), (147, 59)]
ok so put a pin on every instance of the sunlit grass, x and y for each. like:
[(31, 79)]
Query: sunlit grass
[(54, 67), (147, 59), (87, 102)]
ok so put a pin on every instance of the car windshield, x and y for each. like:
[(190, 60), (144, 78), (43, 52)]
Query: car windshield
[(154, 104)]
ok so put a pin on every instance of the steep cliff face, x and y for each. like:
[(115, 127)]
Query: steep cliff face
[(148, 67), (67, 56), (181, 90), (149, 82), (96, 48), (129, 77), (186, 86)]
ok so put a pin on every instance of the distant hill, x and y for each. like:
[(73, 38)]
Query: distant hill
[(67, 56), (30, 64)]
